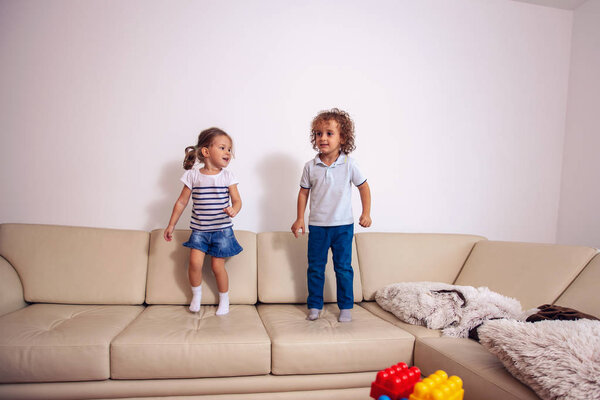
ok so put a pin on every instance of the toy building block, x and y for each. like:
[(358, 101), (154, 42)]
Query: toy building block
[(438, 386), (395, 382), (384, 397)]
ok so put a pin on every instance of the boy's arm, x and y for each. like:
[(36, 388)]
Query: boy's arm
[(365, 199), (178, 208), (299, 223), (236, 201)]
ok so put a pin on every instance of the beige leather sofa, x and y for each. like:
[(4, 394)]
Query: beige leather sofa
[(101, 313)]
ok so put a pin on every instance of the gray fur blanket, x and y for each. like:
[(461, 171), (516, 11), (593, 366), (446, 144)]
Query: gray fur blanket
[(453, 309), (559, 360)]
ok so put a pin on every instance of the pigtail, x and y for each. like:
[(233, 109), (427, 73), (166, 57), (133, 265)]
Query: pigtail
[(194, 153), (191, 154)]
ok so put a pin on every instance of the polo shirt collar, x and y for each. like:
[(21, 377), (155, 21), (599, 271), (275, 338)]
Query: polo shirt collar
[(340, 160)]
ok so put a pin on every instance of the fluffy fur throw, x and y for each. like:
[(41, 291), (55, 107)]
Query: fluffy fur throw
[(559, 360), (454, 309)]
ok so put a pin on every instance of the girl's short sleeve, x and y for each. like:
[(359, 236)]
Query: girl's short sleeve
[(230, 178), (188, 178), (357, 176)]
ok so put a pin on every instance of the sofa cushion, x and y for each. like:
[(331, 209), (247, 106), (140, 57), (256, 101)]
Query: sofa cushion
[(171, 342), (168, 281), (483, 375), (582, 293), (59, 342), (387, 258), (327, 346), (533, 273), (258, 387), (415, 330), (73, 265), (282, 264)]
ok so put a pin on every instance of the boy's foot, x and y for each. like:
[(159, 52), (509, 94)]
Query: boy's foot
[(313, 313), (345, 316)]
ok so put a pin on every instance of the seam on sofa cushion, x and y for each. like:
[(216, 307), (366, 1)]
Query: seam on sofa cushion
[(344, 342), (465, 261)]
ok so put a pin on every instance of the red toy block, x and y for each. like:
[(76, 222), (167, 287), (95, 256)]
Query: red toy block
[(395, 382)]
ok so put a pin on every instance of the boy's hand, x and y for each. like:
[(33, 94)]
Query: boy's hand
[(230, 211), (365, 220), (168, 233), (298, 226)]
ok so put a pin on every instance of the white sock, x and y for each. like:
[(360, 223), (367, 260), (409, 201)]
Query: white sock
[(313, 313), (345, 316), (223, 303), (196, 298)]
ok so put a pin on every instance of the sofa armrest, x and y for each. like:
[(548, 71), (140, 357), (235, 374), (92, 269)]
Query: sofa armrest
[(11, 289)]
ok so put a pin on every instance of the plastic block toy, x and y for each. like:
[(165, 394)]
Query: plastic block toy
[(395, 382), (438, 386)]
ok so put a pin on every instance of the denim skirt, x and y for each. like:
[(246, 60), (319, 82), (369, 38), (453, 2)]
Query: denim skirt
[(221, 243)]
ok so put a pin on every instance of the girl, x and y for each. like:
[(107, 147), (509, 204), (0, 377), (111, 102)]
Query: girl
[(210, 187)]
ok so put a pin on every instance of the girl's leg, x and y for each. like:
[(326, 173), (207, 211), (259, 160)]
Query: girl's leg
[(218, 267), (195, 276), (195, 267)]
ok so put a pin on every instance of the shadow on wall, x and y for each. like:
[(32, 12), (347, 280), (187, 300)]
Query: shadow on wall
[(169, 187), (280, 181)]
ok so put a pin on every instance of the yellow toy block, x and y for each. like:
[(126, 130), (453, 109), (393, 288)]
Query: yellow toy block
[(438, 386)]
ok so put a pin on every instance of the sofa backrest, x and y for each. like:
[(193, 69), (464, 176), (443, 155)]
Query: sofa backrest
[(75, 265), (168, 281), (533, 273), (282, 265), (387, 258), (582, 293), (11, 289)]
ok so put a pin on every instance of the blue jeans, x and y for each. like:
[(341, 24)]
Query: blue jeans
[(339, 239), (220, 244)]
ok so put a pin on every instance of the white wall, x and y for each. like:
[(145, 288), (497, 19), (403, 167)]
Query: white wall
[(579, 216), (459, 108)]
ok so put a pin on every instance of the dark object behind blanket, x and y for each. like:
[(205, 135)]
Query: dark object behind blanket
[(554, 312), (547, 312)]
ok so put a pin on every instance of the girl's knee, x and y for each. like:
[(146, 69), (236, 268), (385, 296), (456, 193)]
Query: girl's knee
[(218, 265), (219, 272)]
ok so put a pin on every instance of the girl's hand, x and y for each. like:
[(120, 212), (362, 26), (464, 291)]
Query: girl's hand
[(230, 211), (298, 226), (365, 220), (168, 233)]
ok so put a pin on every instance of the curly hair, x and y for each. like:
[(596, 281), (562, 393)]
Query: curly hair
[(205, 139), (346, 128)]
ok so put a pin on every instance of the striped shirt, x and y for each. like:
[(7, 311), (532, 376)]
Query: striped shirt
[(210, 195)]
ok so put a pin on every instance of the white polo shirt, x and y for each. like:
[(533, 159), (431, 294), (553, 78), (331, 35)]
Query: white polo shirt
[(331, 190)]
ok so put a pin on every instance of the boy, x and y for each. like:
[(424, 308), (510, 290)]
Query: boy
[(328, 178)]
